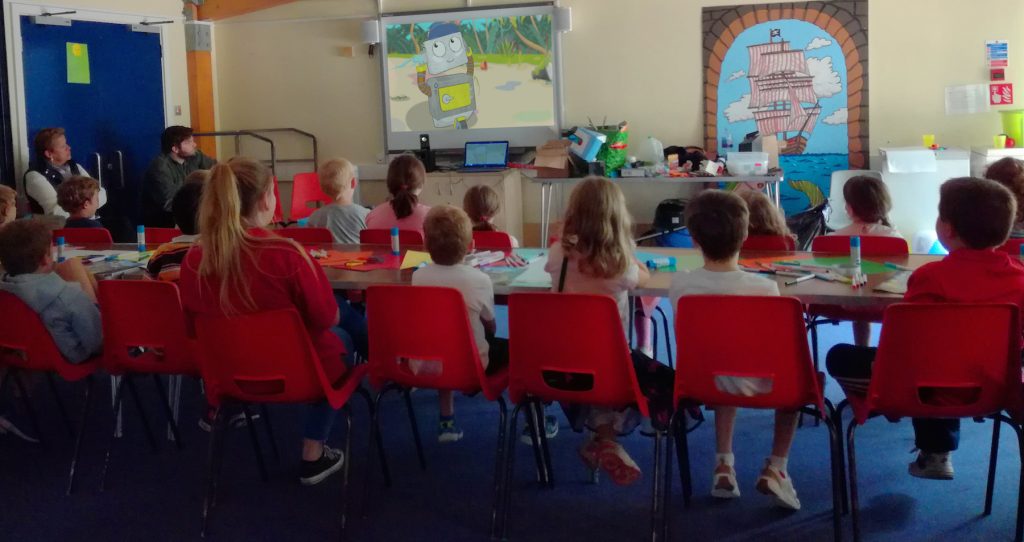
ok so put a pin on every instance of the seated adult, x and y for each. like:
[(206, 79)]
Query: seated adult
[(51, 166), (178, 158)]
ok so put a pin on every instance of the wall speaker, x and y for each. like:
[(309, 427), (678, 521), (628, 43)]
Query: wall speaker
[(371, 31), (563, 19)]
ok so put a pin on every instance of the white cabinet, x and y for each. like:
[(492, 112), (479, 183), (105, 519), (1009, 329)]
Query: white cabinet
[(449, 187)]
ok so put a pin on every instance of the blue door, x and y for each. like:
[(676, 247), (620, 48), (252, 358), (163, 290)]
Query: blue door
[(114, 122)]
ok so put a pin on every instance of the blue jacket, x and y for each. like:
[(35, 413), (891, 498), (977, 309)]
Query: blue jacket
[(70, 316)]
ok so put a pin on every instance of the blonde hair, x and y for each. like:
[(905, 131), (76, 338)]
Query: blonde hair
[(765, 217), (448, 234), (8, 199), (232, 194), (335, 176), (598, 228), (481, 203)]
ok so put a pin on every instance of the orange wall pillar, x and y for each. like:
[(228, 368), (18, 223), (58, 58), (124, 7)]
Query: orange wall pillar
[(198, 47)]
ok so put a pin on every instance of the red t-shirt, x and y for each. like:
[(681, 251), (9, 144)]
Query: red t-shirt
[(279, 277), (969, 276)]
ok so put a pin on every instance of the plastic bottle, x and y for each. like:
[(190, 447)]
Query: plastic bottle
[(140, 238), (395, 249), (728, 140), (60, 249), (302, 222), (657, 150), (855, 251), (667, 261)]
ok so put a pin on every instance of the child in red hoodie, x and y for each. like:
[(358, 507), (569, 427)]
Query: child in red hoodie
[(975, 218)]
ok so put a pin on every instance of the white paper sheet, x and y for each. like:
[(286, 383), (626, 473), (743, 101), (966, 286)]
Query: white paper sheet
[(966, 99), (534, 276)]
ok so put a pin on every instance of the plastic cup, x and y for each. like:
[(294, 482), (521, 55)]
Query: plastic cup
[(928, 140), (999, 141)]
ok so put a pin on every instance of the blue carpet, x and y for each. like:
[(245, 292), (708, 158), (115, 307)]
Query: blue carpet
[(156, 497)]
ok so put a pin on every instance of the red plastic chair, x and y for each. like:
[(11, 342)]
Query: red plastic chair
[(306, 190), (159, 236), (570, 334), (970, 349), (262, 358), (770, 242), (144, 333), (84, 236), (383, 237), (491, 240), (442, 335), (773, 345), (1012, 247), (870, 246), (307, 236), (26, 345)]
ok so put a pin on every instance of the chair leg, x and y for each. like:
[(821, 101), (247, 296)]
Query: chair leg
[(209, 499), (375, 441), (137, 399), (852, 461), (255, 438), (509, 463), (1018, 534), (683, 456), (499, 464), (539, 427), (415, 429), (29, 409), (538, 454), (118, 396), (992, 458), (666, 488), (52, 382), (265, 412), (657, 510), (86, 403), (837, 416), (347, 411), (654, 337), (837, 479), (668, 340), (165, 404)]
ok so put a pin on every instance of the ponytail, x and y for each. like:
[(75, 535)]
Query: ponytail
[(406, 175)]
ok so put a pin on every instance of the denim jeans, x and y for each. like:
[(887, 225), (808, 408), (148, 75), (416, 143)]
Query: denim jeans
[(320, 416)]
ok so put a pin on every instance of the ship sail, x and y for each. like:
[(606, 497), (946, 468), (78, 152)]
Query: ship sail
[(779, 86)]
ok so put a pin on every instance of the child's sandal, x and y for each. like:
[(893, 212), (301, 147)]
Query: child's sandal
[(616, 462)]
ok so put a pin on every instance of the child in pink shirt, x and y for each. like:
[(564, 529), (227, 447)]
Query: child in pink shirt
[(403, 211)]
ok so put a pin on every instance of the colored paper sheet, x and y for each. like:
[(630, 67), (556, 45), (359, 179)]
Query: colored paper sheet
[(373, 263), (867, 267), (534, 276), (78, 63), (415, 258), (767, 260), (338, 258)]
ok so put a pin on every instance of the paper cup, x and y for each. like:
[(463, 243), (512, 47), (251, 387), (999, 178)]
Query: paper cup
[(928, 140), (999, 141)]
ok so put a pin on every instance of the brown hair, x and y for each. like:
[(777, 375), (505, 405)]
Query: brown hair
[(869, 200), (406, 174), (174, 136), (980, 211), (764, 217), (23, 245), (481, 203), (229, 197), (75, 192), (447, 234), (718, 222), (336, 176), (44, 141), (8, 199), (1009, 172), (598, 228)]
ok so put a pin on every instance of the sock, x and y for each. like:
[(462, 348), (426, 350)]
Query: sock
[(729, 459), (778, 462)]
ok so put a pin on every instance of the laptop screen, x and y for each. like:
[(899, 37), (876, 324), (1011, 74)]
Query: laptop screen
[(486, 154)]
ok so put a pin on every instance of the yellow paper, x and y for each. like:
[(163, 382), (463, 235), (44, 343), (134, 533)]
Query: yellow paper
[(415, 258)]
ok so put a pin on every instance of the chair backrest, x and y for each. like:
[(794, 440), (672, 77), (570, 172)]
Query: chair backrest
[(308, 236), (568, 339), (837, 217), (420, 336), (278, 214), (159, 236), (769, 242), (84, 236), (870, 245), (306, 189), (946, 360), (24, 339), (491, 240), (1012, 246), (383, 237), (263, 357), (720, 336), (147, 314)]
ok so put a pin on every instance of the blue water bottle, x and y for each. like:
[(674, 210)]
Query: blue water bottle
[(140, 237), (395, 249), (302, 222), (60, 249)]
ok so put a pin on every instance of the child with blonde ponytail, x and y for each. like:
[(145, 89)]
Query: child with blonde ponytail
[(240, 267)]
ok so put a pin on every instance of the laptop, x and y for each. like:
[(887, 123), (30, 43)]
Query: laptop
[(483, 156)]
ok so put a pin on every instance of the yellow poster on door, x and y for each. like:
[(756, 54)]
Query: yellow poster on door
[(78, 63)]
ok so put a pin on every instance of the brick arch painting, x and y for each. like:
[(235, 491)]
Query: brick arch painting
[(794, 71)]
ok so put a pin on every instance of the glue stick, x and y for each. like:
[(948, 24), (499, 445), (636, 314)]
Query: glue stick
[(60, 249), (140, 237), (655, 263), (855, 251), (395, 250)]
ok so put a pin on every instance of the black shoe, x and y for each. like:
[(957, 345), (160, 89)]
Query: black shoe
[(7, 427), (314, 472)]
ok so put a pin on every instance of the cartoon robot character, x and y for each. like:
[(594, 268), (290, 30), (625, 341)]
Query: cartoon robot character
[(450, 97)]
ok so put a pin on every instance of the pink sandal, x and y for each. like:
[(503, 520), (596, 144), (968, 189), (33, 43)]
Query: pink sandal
[(614, 460)]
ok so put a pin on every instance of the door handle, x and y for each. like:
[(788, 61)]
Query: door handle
[(120, 165), (99, 167)]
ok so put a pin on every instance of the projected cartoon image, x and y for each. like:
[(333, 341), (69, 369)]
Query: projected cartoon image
[(474, 73)]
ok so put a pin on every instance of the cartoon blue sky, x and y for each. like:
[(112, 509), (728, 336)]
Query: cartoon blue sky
[(830, 134)]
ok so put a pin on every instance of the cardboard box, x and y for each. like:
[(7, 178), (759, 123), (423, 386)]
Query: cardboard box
[(552, 160)]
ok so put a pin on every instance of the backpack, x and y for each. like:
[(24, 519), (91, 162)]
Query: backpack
[(670, 214)]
